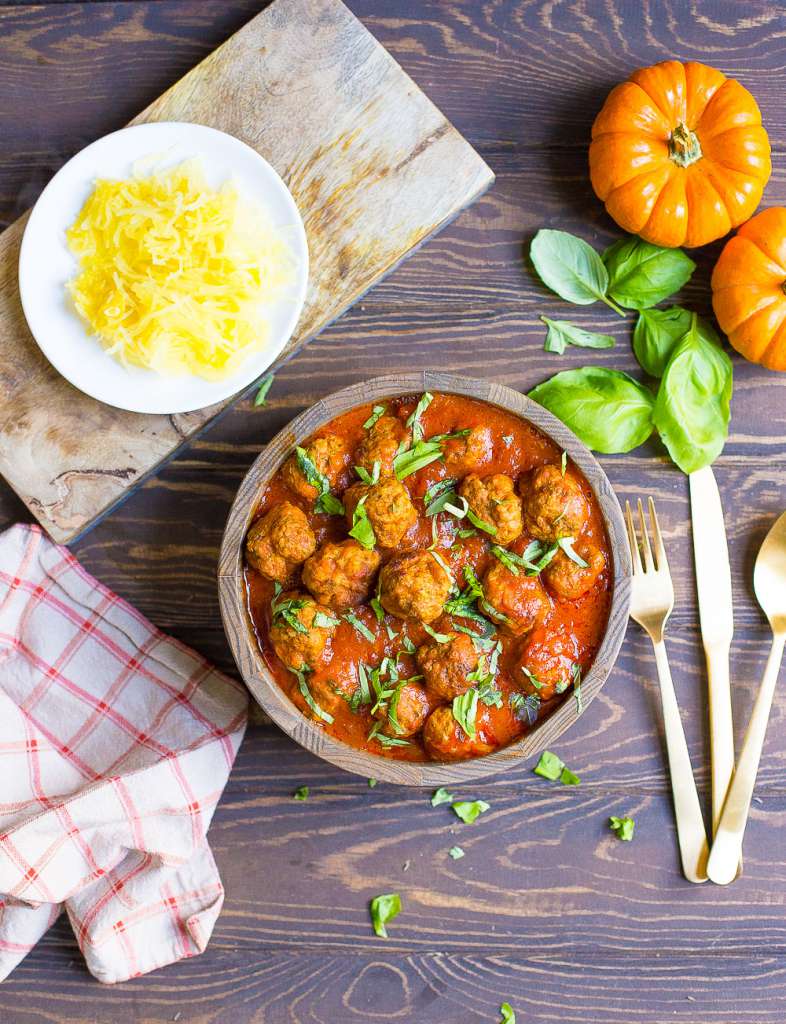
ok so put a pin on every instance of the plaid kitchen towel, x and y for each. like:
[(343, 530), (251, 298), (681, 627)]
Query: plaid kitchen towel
[(115, 744)]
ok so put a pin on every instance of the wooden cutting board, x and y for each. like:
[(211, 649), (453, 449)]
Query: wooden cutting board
[(374, 168)]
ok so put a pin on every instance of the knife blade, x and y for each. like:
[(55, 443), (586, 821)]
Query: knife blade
[(713, 583)]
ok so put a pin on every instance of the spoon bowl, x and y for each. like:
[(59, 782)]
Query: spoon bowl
[(769, 575)]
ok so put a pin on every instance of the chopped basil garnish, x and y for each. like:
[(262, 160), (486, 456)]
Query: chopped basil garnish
[(386, 741), (264, 387), (362, 529), (441, 638), (566, 543), (465, 708), (564, 464), (301, 793), (408, 645), (456, 852), (438, 495), (383, 910), (379, 611), (469, 810), (481, 524), (421, 454), (359, 627), (441, 796), (509, 559), (326, 502), (325, 621), (442, 564), (532, 678), (576, 672), (552, 768), (525, 706), (372, 783), (318, 711), (286, 610), (376, 412), (622, 827), (369, 479), (414, 420)]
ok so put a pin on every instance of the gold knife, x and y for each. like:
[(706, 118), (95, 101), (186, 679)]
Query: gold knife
[(713, 581)]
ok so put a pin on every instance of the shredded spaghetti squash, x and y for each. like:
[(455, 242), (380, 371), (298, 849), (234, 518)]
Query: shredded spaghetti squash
[(176, 276)]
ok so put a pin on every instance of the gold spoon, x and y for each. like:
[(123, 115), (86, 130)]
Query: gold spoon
[(769, 583)]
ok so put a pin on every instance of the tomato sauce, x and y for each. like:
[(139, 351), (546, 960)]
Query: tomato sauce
[(518, 446)]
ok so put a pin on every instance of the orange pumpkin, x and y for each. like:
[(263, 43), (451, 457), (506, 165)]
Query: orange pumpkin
[(679, 155), (748, 289)]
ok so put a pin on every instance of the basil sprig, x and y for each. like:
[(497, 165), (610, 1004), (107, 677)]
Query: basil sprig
[(571, 268), (562, 333)]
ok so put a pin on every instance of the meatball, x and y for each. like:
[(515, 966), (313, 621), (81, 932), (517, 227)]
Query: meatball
[(414, 586), (340, 575), (279, 541), (520, 601), (445, 740), (445, 666), (549, 658), (330, 457), (388, 507), (300, 646), (331, 688), (570, 581), (494, 500), (410, 707), (381, 444), (554, 505), (470, 453)]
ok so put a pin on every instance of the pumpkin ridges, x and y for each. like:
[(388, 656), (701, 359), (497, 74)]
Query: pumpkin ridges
[(732, 106), (632, 203), (625, 113), (767, 231), (741, 149), (704, 199), (668, 220), (738, 192), (774, 355), (665, 85), (701, 83), (733, 306), (753, 335), (744, 262), (619, 172)]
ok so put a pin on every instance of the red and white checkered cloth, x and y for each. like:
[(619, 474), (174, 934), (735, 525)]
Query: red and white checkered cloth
[(115, 745)]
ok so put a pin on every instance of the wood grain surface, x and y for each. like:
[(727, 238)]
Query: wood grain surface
[(547, 909), (375, 170)]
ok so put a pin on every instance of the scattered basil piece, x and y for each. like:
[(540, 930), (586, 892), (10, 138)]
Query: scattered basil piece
[(508, 1016), (465, 708), (692, 407), (301, 793), (414, 421), (569, 778), (569, 266), (376, 412), (264, 387), (441, 638), (549, 766), (441, 796), (642, 274), (359, 626), (610, 411), (469, 810), (383, 910), (622, 827), (372, 783), (566, 543), (562, 333), (362, 527), (656, 334), (456, 852)]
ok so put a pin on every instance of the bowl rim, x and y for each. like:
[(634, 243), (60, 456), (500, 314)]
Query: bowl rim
[(240, 631)]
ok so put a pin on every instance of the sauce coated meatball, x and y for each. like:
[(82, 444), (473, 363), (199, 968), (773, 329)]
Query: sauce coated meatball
[(410, 707), (494, 500), (470, 453), (554, 505), (330, 689), (521, 599), (570, 581), (550, 658), (445, 666), (445, 740), (388, 507), (340, 575), (414, 587), (381, 444), (300, 646), (279, 541), (330, 457)]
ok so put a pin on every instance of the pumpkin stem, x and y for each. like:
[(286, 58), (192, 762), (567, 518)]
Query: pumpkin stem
[(684, 148)]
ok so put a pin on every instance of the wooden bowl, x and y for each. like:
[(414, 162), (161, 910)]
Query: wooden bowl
[(238, 627)]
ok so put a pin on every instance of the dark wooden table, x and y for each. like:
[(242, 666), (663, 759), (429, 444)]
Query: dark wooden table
[(547, 909)]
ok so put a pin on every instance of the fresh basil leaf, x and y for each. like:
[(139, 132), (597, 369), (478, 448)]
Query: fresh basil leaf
[(364, 475), (456, 852), (656, 334), (385, 741), (329, 504), (532, 678), (569, 778), (562, 333), (509, 559), (481, 524), (692, 406), (441, 638), (301, 793), (438, 495), (525, 706), (318, 711), (414, 420), (508, 1016), (362, 528), (549, 766), (642, 274), (469, 810), (384, 909), (566, 543), (610, 411), (359, 626), (622, 827), (264, 387), (569, 266), (421, 454), (372, 783), (441, 796), (465, 708), (376, 412), (378, 610), (324, 621)]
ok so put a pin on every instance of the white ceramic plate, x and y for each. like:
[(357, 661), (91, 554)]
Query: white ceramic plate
[(45, 263)]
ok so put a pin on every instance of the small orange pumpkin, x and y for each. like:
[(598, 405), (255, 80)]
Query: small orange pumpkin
[(749, 289), (678, 154)]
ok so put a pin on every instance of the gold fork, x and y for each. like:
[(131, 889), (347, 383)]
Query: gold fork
[(652, 599)]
